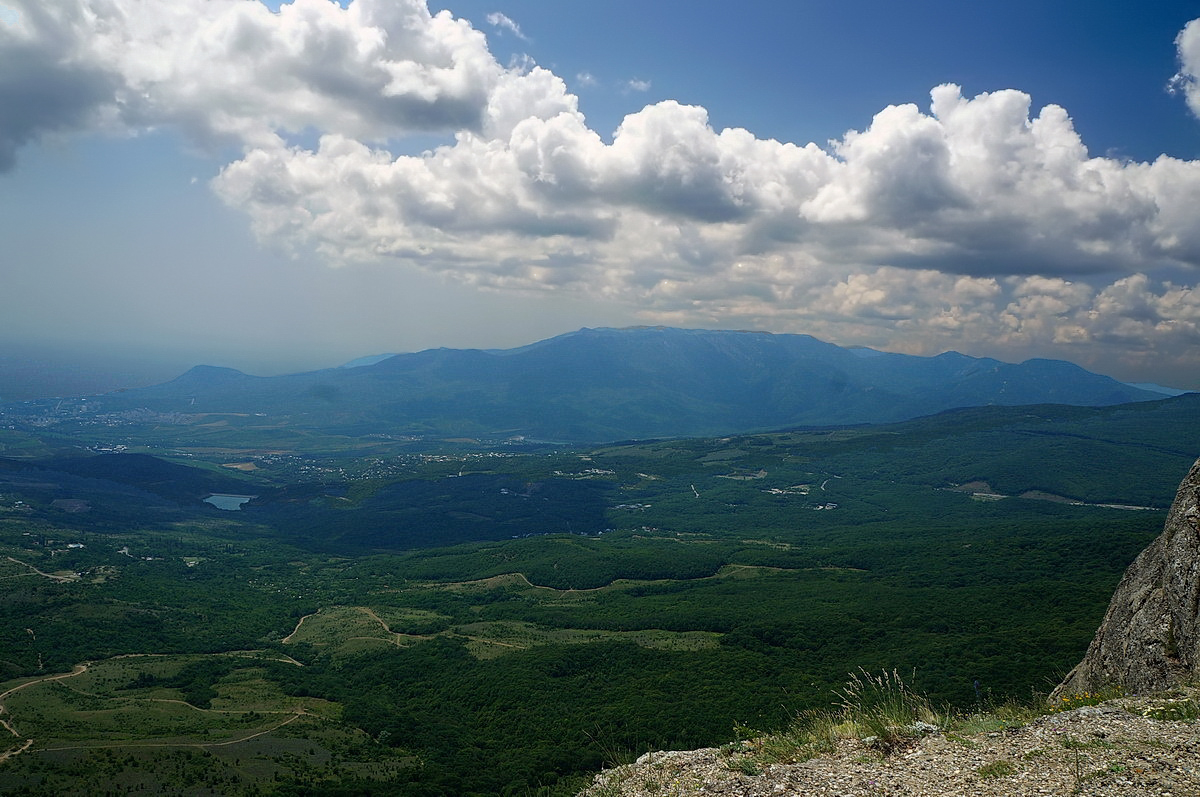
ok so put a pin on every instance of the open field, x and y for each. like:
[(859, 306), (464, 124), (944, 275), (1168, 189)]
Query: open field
[(127, 723)]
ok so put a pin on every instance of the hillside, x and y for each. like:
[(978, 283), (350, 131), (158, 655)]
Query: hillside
[(599, 385), (1129, 747), (885, 738)]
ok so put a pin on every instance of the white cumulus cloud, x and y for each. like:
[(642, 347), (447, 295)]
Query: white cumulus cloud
[(1187, 79), (234, 70)]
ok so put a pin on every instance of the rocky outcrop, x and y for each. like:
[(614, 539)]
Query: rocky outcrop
[(1150, 637), (1132, 747)]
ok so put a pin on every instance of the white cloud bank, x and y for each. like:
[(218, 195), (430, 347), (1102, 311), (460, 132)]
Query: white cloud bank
[(975, 222)]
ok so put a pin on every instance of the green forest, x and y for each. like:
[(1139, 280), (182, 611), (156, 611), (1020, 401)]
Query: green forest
[(440, 617)]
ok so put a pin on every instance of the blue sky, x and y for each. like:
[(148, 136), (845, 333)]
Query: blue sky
[(283, 188)]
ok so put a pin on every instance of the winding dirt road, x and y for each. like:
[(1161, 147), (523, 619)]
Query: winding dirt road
[(50, 576), (79, 669)]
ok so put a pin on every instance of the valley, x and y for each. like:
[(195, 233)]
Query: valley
[(443, 618)]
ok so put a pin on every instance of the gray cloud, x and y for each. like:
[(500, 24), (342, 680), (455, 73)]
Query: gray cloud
[(40, 96), (42, 89)]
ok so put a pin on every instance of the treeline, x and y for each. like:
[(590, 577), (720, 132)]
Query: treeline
[(545, 717)]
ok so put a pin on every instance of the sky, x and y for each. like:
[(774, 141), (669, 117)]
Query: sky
[(281, 187)]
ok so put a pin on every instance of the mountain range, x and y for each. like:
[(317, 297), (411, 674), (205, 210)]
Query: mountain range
[(612, 384)]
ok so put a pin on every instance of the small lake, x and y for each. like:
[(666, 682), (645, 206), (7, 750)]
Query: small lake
[(226, 501)]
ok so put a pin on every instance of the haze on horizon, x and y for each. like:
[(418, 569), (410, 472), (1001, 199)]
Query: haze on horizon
[(281, 187)]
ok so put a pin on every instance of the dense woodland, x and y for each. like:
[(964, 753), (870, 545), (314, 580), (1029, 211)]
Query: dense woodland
[(450, 619)]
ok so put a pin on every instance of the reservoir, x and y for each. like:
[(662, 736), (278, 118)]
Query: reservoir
[(226, 501)]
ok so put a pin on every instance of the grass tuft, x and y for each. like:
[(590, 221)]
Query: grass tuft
[(886, 708), (882, 709), (996, 769)]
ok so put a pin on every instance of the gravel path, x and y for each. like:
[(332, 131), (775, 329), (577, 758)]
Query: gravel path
[(1110, 750)]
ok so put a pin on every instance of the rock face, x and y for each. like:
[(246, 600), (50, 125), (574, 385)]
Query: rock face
[(1150, 637)]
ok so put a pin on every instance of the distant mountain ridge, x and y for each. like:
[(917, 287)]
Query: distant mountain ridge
[(605, 384), (1154, 388)]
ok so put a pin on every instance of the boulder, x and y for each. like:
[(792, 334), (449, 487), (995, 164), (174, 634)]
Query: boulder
[(1150, 637)]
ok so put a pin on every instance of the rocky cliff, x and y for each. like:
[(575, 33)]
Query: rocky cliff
[(1150, 636)]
